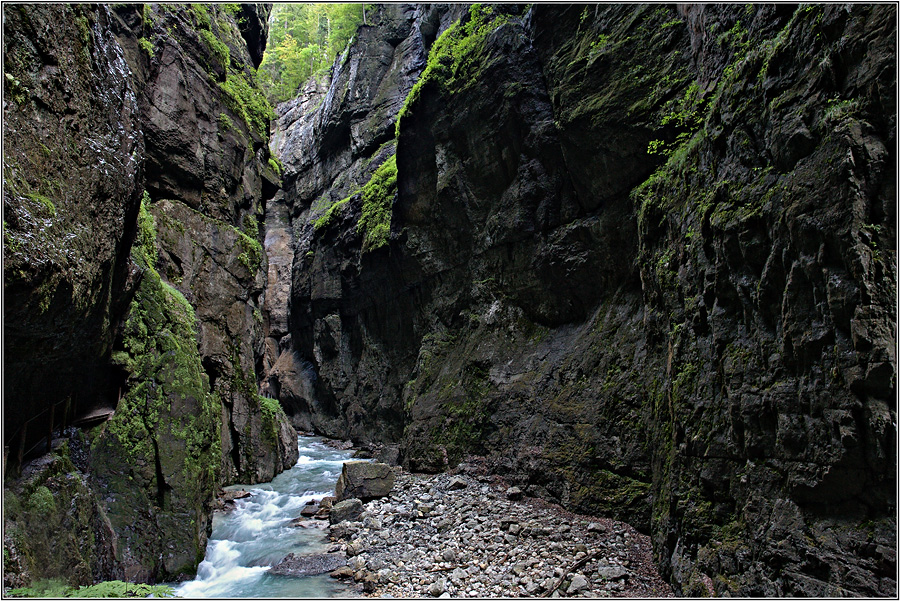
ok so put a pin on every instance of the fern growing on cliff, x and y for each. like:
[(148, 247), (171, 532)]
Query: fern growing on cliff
[(107, 589)]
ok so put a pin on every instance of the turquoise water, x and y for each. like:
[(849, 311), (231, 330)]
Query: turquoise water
[(257, 534)]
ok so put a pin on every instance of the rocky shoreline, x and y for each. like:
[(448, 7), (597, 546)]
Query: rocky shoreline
[(465, 534)]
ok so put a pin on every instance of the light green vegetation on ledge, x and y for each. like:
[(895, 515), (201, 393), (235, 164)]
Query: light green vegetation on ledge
[(330, 215), (377, 196), (457, 58), (247, 101)]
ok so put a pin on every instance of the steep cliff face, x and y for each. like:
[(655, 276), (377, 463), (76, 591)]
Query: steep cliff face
[(641, 257), (331, 140), (72, 169), (206, 127), (172, 132)]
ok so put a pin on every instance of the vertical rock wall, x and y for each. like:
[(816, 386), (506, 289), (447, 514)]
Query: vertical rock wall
[(642, 257), (72, 171), (331, 139), (209, 179), (156, 102)]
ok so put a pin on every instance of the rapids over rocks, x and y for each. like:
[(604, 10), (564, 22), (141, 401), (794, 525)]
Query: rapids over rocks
[(247, 540)]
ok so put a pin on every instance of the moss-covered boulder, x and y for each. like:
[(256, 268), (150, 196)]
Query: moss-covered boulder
[(54, 526)]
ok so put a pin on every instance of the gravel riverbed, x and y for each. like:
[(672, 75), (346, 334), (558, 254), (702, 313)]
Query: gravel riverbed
[(466, 535)]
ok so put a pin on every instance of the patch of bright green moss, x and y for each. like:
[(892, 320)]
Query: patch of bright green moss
[(144, 251), (43, 200), (251, 252), (457, 58), (276, 166), (272, 413), (147, 46), (217, 47), (330, 215), (247, 101), (201, 16), (377, 196), (41, 501)]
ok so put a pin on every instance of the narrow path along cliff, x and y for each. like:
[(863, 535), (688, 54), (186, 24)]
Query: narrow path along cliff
[(635, 263)]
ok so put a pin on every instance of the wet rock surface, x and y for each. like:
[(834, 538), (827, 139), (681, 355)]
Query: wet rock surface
[(133, 139), (73, 158), (331, 138), (431, 537)]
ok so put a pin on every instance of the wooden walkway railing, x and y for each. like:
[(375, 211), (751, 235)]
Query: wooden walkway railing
[(29, 437)]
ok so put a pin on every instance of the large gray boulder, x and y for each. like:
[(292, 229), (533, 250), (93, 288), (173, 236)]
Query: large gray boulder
[(364, 480)]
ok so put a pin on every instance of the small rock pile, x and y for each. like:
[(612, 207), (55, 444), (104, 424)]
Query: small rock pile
[(460, 536)]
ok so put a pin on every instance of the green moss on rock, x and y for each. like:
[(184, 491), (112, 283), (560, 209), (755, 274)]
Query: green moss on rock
[(216, 47), (330, 215), (248, 101), (377, 196), (41, 501), (50, 517), (160, 454), (457, 58)]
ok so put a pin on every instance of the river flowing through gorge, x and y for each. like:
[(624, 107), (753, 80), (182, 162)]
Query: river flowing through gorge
[(248, 540)]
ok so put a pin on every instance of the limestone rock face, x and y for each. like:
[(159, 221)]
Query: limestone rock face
[(72, 168), (642, 258), (204, 146), (364, 480), (331, 139), (138, 130), (220, 270)]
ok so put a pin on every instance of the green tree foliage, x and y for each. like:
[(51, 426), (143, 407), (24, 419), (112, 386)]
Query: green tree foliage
[(303, 41)]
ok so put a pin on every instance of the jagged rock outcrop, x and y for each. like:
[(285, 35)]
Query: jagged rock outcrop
[(331, 139), (642, 257), (159, 99), (206, 130)]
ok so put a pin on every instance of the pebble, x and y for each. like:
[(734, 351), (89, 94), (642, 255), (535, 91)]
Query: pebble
[(458, 535)]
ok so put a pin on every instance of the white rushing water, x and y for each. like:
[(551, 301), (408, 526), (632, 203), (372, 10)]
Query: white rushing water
[(257, 533)]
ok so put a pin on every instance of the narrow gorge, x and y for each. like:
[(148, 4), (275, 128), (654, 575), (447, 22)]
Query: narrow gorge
[(638, 260)]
